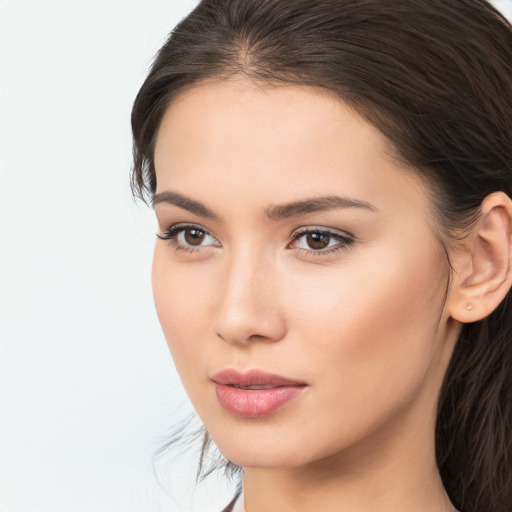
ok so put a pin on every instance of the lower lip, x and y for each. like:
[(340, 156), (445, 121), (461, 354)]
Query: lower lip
[(255, 403)]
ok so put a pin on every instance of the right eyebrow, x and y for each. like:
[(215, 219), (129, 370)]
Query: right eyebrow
[(184, 202)]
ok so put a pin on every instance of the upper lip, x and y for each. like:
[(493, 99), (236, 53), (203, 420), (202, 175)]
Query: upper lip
[(232, 377)]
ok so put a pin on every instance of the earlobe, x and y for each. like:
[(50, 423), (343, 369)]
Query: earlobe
[(484, 277)]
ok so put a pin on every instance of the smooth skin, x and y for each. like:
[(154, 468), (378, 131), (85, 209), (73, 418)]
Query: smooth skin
[(358, 306)]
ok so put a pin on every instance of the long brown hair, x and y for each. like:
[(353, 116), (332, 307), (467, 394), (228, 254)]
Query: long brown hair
[(435, 77)]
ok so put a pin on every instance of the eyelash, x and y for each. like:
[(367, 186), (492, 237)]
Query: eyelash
[(172, 232), (346, 239)]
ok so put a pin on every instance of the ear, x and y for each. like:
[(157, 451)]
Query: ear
[(483, 273)]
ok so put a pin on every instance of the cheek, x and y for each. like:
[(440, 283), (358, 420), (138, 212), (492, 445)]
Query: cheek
[(181, 297), (368, 330)]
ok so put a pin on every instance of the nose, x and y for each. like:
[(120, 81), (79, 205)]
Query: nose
[(248, 309)]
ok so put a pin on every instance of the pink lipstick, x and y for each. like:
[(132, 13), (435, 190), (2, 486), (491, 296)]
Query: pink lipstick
[(255, 393)]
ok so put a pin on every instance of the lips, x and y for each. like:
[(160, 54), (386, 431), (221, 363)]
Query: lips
[(255, 393)]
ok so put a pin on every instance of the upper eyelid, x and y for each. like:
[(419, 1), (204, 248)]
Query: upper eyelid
[(297, 231), (184, 226), (317, 229)]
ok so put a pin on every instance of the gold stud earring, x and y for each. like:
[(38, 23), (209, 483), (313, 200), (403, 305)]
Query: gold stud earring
[(469, 306)]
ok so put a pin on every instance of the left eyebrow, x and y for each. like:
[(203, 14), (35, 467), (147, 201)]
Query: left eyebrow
[(316, 204)]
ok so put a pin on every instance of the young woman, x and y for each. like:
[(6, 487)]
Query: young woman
[(332, 271)]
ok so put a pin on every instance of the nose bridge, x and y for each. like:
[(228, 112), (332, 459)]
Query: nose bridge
[(247, 308)]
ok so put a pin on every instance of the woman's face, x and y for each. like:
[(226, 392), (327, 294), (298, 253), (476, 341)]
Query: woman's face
[(296, 246)]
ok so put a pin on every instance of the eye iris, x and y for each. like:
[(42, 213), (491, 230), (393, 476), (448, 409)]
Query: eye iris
[(194, 236), (317, 240)]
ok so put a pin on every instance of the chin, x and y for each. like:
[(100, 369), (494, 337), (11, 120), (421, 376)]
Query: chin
[(271, 447), (261, 458)]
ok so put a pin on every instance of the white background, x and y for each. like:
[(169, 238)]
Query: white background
[(88, 391)]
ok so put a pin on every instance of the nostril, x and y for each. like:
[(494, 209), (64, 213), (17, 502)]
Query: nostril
[(257, 337), (243, 340)]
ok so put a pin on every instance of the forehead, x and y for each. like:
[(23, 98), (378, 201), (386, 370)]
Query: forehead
[(270, 113), (290, 140)]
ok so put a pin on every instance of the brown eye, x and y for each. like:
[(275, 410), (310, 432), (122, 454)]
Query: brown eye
[(322, 241), (189, 238), (318, 240), (194, 236)]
